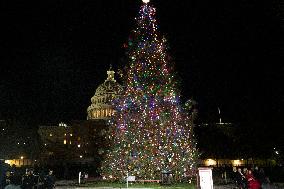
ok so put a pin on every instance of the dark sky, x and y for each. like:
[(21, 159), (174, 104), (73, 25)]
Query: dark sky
[(227, 53)]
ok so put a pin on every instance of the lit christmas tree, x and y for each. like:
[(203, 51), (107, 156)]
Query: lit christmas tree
[(151, 133)]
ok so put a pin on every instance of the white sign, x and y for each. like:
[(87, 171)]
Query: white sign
[(79, 177), (131, 178), (205, 178)]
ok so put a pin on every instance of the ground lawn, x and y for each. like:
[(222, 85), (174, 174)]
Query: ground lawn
[(140, 185)]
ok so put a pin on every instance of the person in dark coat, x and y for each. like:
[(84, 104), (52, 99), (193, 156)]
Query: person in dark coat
[(3, 170), (28, 180), (15, 182), (241, 179), (263, 179), (234, 176), (49, 181)]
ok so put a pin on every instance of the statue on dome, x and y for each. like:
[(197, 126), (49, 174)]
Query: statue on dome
[(101, 106)]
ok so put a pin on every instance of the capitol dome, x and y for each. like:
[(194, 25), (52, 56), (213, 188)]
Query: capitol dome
[(101, 107)]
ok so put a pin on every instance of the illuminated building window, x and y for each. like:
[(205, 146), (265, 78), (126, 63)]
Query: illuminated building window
[(210, 162), (64, 142), (237, 162), (50, 134), (70, 142), (71, 134)]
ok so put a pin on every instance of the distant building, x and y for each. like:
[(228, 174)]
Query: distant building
[(82, 140), (20, 162), (74, 143), (60, 133)]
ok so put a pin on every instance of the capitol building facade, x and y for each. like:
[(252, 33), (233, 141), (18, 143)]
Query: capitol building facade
[(82, 140), (101, 103)]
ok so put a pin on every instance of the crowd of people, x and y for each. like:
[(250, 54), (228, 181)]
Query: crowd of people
[(251, 178), (30, 179), (43, 177)]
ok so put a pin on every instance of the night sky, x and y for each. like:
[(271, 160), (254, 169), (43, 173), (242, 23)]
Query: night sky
[(226, 53)]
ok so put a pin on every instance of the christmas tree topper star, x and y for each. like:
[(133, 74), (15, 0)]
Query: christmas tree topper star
[(146, 1)]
